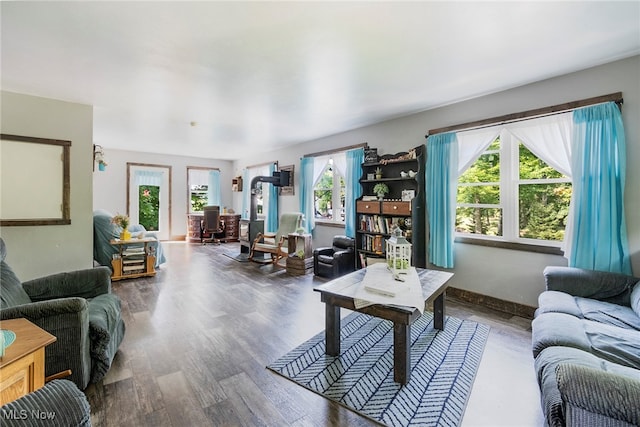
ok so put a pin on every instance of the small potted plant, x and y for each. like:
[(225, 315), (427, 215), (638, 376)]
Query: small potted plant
[(380, 189), (378, 173), (123, 222)]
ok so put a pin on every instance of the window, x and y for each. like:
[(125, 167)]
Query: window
[(329, 195), (200, 193), (510, 194)]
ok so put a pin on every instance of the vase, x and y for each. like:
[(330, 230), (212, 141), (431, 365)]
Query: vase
[(101, 167), (125, 235)]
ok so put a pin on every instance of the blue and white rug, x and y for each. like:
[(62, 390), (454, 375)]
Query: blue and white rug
[(444, 366)]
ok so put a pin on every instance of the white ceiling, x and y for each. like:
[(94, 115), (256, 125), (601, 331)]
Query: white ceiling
[(257, 76)]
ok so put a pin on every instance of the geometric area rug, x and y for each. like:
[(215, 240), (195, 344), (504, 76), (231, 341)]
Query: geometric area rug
[(444, 366)]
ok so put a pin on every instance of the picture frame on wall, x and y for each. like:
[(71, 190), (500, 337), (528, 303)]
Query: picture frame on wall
[(287, 190)]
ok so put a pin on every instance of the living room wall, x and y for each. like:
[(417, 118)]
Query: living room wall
[(110, 186), (505, 274), (34, 251)]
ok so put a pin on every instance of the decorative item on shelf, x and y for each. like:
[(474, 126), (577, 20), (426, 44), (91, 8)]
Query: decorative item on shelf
[(98, 156), (123, 222), (400, 157), (403, 174), (408, 195), (398, 251), (412, 173), (370, 155), (380, 189), (371, 176), (378, 173)]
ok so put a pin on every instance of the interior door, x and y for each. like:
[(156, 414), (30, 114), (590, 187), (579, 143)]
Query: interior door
[(149, 197)]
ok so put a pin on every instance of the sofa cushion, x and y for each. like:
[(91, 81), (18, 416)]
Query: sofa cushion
[(11, 291), (635, 299), (617, 345), (589, 309), (545, 366)]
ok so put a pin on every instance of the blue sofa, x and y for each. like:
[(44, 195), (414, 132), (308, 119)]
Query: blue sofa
[(586, 344)]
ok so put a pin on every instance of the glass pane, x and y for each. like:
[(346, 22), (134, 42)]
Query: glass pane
[(532, 167), (543, 210), (149, 206), (485, 169), (326, 180), (487, 221), (322, 204), (479, 194)]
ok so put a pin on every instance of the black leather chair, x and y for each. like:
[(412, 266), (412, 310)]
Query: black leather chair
[(337, 260)]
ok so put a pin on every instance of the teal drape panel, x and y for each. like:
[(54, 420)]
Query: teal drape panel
[(246, 194), (213, 189), (306, 193), (441, 182), (599, 238), (271, 223), (353, 189)]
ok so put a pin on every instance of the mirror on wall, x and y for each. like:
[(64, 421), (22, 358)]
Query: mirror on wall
[(34, 181)]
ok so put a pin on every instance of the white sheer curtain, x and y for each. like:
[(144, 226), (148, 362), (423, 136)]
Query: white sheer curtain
[(340, 163), (319, 163), (549, 138), (472, 143)]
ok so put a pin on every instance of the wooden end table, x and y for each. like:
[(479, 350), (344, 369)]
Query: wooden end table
[(22, 366), (339, 293)]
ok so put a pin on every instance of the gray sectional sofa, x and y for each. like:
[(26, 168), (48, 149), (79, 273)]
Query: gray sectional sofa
[(586, 344)]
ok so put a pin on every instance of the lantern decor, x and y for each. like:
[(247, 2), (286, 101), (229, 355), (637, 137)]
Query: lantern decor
[(398, 253)]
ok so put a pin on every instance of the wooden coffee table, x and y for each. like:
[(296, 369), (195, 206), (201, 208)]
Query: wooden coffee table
[(340, 293)]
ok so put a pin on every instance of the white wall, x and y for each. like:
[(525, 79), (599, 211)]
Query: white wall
[(110, 186), (506, 274), (35, 251)]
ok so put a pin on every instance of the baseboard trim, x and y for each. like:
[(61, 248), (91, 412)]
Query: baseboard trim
[(509, 307)]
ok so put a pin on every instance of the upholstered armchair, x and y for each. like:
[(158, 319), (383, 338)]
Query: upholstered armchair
[(337, 260), (78, 308), (58, 403)]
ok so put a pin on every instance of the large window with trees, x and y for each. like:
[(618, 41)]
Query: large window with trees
[(510, 194), (329, 195)]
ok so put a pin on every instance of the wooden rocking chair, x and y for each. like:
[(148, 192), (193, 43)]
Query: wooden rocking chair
[(276, 243)]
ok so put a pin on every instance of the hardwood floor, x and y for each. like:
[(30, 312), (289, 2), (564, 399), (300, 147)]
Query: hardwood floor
[(200, 334)]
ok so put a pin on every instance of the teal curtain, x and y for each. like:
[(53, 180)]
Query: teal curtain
[(306, 193), (598, 166), (213, 189), (271, 223), (246, 194), (353, 189), (441, 186)]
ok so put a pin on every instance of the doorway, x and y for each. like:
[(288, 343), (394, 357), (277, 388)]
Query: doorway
[(149, 197)]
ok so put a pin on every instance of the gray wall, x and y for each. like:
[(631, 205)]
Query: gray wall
[(110, 186), (506, 274), (34, 251)]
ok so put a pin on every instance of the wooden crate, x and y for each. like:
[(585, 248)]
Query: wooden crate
[(299, 266)]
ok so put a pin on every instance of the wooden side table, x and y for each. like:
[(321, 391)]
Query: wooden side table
[(22, 366), (135, 258)]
